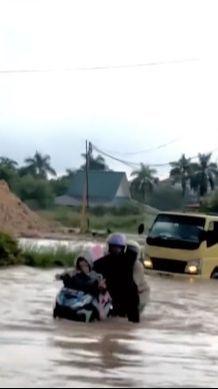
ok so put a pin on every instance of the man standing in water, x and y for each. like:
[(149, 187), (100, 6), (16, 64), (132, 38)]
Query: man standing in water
[(117, 268), (133, 248)]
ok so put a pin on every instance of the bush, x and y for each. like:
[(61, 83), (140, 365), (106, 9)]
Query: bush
[(166, 198), (68, 217), (49, 258), (35, 190), (8, 176), (60, 186), (10, 254), (210, 203)]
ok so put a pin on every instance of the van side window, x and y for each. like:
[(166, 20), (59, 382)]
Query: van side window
[(213, 238)]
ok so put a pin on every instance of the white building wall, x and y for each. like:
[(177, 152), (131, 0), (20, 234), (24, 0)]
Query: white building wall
[(123, 190)]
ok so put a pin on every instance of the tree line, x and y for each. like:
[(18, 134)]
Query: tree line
[(37, 183), (199, 177)]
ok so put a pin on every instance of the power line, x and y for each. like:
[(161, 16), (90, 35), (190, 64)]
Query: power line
[(146, 151), (127, 163), (103, 67), (135, 165), (130, 164)]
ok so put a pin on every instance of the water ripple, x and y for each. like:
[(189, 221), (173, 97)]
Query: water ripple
[(175, 345)]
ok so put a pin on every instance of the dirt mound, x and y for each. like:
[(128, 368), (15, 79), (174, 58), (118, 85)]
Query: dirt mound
[(16, 217)]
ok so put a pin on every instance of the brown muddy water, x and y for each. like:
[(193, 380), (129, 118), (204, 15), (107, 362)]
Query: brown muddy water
[(176, 343)]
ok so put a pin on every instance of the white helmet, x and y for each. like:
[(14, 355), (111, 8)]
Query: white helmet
[(117, 240), (135, 247)]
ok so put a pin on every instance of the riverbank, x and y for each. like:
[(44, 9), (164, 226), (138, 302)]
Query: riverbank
[(14, 253), (59, 223), (66, 226), (48, 253)]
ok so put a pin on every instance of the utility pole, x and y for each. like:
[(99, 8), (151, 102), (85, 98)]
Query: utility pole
[(88, 154), (85, 221)]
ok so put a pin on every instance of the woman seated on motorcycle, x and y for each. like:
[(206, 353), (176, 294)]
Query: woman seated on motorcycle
[(93, 299)]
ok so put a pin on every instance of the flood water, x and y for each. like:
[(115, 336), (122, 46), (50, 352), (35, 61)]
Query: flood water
[(176, 343), (44, 244)]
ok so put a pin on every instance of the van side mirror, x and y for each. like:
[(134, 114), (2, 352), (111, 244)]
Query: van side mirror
[(141, 229)]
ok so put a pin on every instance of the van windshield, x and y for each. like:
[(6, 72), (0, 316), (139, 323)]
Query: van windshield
[(177, 231)]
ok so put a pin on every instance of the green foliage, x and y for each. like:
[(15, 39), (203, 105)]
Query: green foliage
[(68, 217), (7, 175), (119, 223), (143, 183), (35, 190), (61, 185), (49, 258), (39, 166), (97, 163), (210, 203), (200, 176), (181, 172), (166, 198), (8, 164), (71, 218), (205, 175), (125, 210), (8, 170), (10, 253), (30, 182)]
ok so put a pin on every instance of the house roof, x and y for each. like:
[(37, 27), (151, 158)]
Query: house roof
[(102, 185)]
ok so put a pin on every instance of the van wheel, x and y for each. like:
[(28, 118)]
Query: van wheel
[(214, 275)]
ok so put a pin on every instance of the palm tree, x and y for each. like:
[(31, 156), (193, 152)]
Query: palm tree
[(96, 163), (181, 172), (39, 166), (205, 174), (143, 182)]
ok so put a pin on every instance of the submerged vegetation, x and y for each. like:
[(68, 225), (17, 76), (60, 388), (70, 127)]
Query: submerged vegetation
[(11, 254), (49, 257)]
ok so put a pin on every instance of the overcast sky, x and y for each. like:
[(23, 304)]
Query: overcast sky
[(121, 110)]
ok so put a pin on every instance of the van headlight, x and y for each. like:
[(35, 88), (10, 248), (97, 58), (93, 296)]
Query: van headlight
[(193, 267), (148, 264)]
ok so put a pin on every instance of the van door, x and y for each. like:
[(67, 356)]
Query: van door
[(211, 257)]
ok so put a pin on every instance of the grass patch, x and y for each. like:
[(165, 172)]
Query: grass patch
[(49, 258), (128, 223), (10, 253)]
